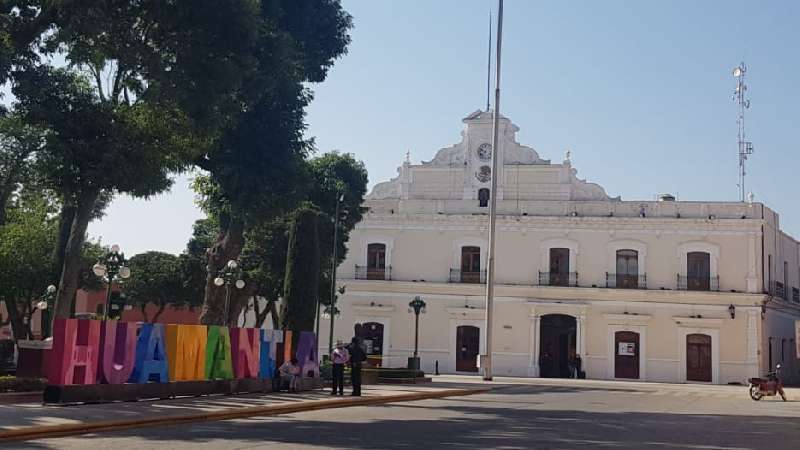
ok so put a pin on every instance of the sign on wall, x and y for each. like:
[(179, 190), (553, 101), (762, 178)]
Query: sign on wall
[(626, 349)]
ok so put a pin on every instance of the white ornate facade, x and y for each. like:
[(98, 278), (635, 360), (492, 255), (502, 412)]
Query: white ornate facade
[(651, 290)]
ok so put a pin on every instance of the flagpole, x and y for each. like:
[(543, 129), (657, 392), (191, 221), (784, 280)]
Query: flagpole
[(487, 363)]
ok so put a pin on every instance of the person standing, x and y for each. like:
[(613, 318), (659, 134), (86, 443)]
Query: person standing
[(357, 357), (339, 357)]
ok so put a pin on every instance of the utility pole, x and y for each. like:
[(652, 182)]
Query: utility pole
[(339, 199), (487, 362)]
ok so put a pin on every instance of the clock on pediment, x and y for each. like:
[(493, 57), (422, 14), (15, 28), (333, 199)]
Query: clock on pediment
[(485, 152)]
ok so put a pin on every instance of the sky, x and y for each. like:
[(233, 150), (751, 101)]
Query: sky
[(640, 92)]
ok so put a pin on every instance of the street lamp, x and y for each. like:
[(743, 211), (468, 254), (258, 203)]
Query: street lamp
[(230, 274), (416, 306), (111, 268), (339, 200), (329, 313)]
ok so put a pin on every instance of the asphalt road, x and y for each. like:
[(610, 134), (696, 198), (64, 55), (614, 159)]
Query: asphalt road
[(527, 415)]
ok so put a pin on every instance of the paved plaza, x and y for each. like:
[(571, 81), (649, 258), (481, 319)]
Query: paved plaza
[(517, 413)]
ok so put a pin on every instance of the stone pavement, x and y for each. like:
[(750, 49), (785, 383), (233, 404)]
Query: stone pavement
[(33, 415)]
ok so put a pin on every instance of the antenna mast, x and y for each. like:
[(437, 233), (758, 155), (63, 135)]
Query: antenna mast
[(745, 147), (489, 63)]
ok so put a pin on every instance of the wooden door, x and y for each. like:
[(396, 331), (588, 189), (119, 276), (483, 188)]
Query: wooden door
[(559, 267), (470, 264), (698, 271), (698, 357), (626, 355), (467, 348), (376, 261)]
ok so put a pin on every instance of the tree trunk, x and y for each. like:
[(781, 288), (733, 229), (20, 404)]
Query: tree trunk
[(143, 308), (261, 315), (158, 313), (4, 196), (229, 245), (276, 318), (66, 216), (68, 283), (18, 329)]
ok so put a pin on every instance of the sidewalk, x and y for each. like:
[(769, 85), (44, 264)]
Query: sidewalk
[(28, 420)]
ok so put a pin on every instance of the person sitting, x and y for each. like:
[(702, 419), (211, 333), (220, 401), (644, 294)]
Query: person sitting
[(290, 372)]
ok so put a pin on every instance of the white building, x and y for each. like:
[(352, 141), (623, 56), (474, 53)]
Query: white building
[(652, 290)]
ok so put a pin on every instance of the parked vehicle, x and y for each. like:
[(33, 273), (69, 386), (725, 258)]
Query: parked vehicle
[(768, 386), (8, 364)]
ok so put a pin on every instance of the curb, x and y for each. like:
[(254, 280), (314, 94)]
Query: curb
[(47, 431), (13, 397)]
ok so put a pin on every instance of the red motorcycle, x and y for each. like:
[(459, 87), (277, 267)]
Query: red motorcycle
[(767, 386)]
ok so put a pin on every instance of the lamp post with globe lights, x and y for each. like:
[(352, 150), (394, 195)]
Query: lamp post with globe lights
[(417, 306), (111, 268), (330, 312), (44, 306), (229, 275)]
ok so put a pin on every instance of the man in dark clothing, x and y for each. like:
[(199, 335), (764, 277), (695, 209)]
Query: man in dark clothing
[(357, 357)]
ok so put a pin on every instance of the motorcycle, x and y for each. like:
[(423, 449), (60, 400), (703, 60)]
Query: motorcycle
[(768, 386)]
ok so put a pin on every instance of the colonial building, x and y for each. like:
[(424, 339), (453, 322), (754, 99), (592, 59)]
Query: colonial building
[(661, 290)]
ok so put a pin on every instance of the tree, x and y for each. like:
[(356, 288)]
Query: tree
[(336, 175), (301, 286), (158, 278), (255, 165), (26, 242), (93, 149), (18, 145)]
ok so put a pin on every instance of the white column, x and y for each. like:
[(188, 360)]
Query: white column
[(537, 344), (581, 336), (752, 271)]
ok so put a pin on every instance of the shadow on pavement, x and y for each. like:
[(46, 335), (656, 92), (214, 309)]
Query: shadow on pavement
[(473, 422)]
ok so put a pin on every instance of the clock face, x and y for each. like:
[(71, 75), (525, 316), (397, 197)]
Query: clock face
[(484, 174), (485, 152)]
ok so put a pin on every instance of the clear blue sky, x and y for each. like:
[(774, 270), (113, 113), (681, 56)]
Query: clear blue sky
[(639, 91)]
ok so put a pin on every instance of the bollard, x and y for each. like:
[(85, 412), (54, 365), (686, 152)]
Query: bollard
[(436, 371)]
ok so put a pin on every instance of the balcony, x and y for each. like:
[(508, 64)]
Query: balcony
[(698, 283), (565, 279), (623, 281), (373, 273), (777, 289), (796, 295), (459, 276)]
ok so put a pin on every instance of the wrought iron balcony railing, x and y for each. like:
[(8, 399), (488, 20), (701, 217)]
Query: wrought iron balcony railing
[(623, 281), (566, 279), (373, 273), (460, 276), (777, 289), (698, 283)]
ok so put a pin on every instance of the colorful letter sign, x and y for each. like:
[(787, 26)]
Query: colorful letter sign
[(245, 346), (118, 352), (186, 352), (151, 355), (76, 347), (218, 354), (112, 352)]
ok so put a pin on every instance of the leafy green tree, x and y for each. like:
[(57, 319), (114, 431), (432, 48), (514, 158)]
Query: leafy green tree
[(255, 164), (26, 242), (158, 278), (19, 143), (335, 176), (94, 149), (301, 286)]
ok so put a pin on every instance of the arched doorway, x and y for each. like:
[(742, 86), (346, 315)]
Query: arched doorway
[(558, 342), (698, 357), (626, 354), (371, 334), (468, 340)]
